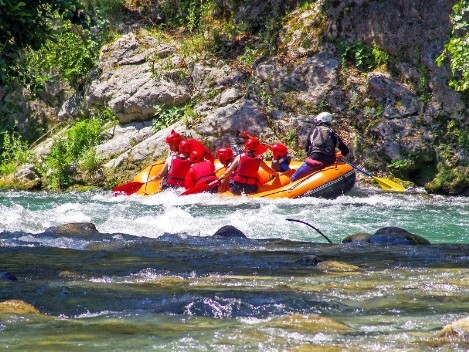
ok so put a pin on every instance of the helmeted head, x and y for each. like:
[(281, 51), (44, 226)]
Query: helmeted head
[(225, 155), (197, 156), (279, 150), (185, 147), (323, 118), (251, 144), (173, 140)]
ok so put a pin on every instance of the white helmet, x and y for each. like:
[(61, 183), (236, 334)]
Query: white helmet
[(323, 117)]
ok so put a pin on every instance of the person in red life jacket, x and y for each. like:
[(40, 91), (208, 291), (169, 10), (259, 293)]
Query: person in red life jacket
[(226, 156), (176, 167), (201, 172), (173, 140), (281, 159), (200, 146), (245, 168), (320, 147)]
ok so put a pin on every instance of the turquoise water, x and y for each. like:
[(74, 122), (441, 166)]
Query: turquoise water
[(154, 279), (437, 218)]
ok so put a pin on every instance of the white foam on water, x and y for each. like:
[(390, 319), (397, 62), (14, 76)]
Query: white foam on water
[(445, 218)]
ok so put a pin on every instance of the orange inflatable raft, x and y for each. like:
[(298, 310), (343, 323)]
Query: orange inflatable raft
[(329, 182)]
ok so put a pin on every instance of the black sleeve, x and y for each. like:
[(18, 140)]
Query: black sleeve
[(342, 146), (308, 141)]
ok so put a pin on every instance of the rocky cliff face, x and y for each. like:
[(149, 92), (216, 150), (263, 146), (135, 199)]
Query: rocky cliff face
[(390, 112)]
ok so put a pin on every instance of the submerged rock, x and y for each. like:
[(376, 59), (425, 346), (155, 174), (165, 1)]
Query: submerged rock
[(311, 260), (16, 306), (396, 236), (339, 267), (459, 328), (309, 324), (229, 231), (7, 276)]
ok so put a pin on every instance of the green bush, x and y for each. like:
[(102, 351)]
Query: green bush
[(356, 53), (26, 25), (15, 152), (187, 14), (457, 48), (73, 150), (166, 116), (69, 56)]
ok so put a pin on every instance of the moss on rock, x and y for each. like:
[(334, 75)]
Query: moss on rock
[(452, 181)]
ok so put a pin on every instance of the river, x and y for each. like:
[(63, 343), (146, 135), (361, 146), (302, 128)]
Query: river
[(154, 278)]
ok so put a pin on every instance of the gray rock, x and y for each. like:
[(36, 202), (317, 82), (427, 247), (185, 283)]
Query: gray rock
[(132, 79), (222, 125), (229, 231), (74, 229), (396, 236), (7, 276), (309, 260), (229, 96), (357, 237), (398, 101), (457, 329)]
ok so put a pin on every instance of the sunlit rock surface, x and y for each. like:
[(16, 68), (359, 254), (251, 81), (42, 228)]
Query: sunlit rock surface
[(15, 306)]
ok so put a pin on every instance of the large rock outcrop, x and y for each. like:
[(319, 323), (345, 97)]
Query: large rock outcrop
[(129, 84)]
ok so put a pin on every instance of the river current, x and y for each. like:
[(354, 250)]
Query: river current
[(153, 278)]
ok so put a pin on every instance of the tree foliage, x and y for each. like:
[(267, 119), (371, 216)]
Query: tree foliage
[(28, 24), (457, 48)]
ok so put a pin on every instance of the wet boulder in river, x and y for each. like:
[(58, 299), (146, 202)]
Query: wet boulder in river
[(229, 231), (74, 229), (396, 236), (356, 237), (459, 328), (16, 306), (7, 276)]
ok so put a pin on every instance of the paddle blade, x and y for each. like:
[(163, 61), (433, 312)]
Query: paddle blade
[(389, 185), (200, 188), (127, 188)]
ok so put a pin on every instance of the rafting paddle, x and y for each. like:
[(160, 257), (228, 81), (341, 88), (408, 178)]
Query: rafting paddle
[(384, 183), (201, 188), (304, 222)]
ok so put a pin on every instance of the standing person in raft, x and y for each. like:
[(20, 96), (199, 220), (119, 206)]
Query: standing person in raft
[(176, 167), (245, 168), (201, 173), (320, 147)]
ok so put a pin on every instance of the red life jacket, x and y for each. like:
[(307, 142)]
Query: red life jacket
[(247, 170), (178, 171), (203, 172)]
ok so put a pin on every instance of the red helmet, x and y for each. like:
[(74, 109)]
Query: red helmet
[(174, 138), (279, 150), (224, 154), (185, 146), (197, 156), (251, 144)]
